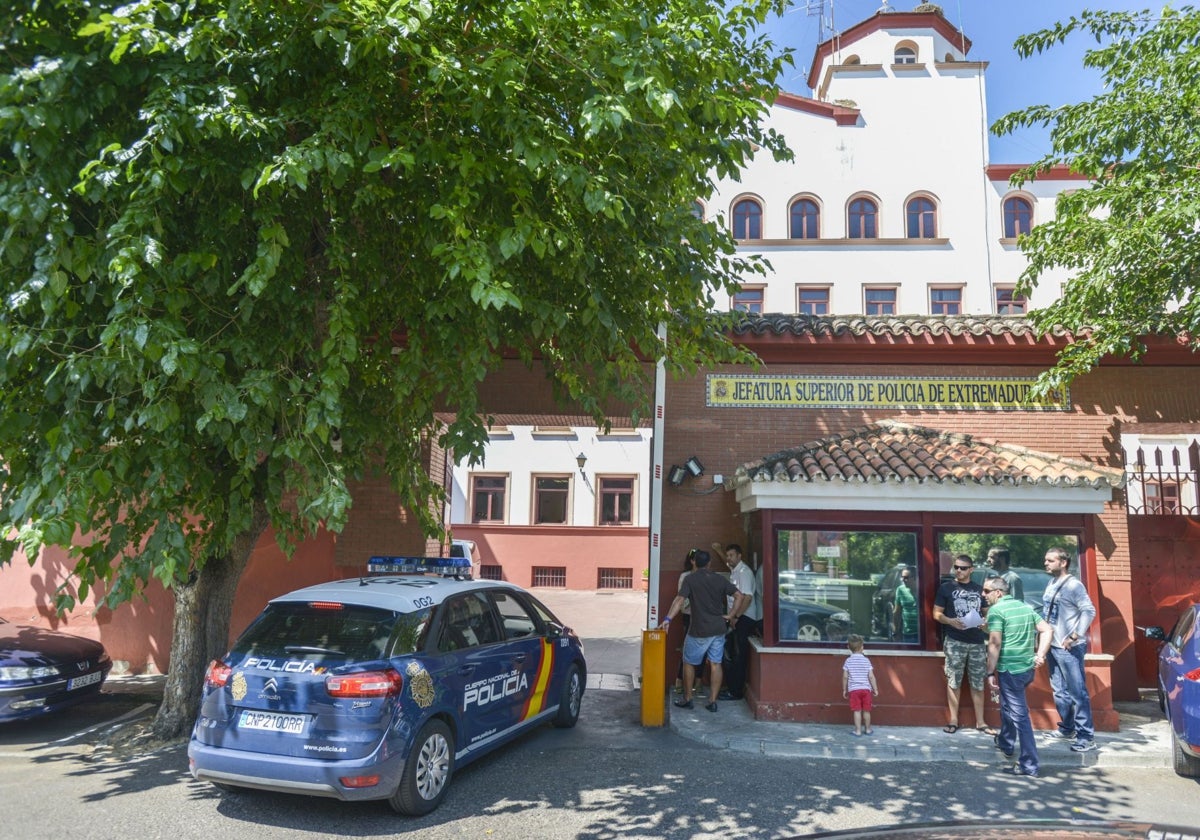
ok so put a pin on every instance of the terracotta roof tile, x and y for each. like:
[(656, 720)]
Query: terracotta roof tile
[(896, 325), (891, 451)]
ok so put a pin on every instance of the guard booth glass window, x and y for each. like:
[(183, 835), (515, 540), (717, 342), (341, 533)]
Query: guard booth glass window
[(834, 583), (1019, 558)]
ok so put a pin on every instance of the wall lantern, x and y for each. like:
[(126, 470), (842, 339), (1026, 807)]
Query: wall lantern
[(694, 466), (581, 460), (676, 475)]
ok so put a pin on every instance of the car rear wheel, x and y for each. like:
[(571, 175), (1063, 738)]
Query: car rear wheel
[(1186, 765), (808, 632), (427, 771), (571, 699)]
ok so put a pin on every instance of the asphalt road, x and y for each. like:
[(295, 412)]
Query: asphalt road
[(607, 778)]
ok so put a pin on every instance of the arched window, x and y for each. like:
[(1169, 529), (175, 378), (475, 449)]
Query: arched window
[(862, 219), (905, 55), (747, 220), (1018, 217), (698, 210), (853, 59), (921, 219), (806, 220)]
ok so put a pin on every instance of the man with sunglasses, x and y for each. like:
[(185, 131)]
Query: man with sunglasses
[(1018, 641), (959, 608)]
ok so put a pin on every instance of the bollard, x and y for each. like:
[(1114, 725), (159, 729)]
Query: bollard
[(654, 677)]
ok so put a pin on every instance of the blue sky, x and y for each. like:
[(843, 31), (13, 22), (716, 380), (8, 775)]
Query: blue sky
[(1055, 77)]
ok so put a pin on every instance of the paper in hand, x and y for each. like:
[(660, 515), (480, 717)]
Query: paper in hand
[(972, 619)]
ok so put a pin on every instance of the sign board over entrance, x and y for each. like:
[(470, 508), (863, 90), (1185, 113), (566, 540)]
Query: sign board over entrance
[(942, 393)]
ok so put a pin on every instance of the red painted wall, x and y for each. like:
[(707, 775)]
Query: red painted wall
[(137, 634), (583, 551), (1166, 579), (912, 691)]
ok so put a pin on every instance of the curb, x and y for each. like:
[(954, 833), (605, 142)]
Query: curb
[(1144, 745)]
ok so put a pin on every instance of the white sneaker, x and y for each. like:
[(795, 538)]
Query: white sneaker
[(1083, 746), (1059, 735)]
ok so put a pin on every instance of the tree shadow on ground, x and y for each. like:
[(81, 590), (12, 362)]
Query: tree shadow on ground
[(611, 778)]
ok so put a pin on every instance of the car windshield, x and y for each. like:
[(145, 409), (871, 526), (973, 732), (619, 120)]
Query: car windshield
[(351, 633)]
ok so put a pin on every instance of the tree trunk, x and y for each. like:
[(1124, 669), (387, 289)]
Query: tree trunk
[(200, 632)]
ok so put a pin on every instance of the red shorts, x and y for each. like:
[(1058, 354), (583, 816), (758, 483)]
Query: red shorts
[(860, 700)]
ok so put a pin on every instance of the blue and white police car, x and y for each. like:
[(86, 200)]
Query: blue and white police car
[(381, 687)]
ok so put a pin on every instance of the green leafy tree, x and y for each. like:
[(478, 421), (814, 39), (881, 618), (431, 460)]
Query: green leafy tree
[(250, 248), (1131, 241)]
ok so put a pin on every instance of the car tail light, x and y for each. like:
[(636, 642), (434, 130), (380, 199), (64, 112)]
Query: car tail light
[(366, 684), (217, 674), (1193, 675), (359, 781), (325, 605)]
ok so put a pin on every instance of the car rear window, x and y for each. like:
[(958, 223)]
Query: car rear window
[(352, 633)]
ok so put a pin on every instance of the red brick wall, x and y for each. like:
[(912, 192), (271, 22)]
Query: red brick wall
[(1103, 403)]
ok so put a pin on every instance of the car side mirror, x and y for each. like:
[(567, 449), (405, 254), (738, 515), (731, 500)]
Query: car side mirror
[(1154, 632)]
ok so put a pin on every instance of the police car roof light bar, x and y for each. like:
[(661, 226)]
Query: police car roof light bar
[(444, 566)]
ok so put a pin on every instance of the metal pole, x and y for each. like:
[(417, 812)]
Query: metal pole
[(656, 482)]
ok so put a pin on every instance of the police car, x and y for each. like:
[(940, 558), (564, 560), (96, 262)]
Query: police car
[(381, 687)]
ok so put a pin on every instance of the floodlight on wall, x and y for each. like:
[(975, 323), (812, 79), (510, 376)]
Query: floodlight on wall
[(676, 475), (694, 466)]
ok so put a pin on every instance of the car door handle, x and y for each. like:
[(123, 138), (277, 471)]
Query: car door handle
[(466, 669), (520, 657)]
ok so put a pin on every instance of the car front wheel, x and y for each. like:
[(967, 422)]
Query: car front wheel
[(1186, 765), (571, 699), (426, 772)]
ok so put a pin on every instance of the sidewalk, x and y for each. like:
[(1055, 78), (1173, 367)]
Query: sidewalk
[(611, 624), (1143, 741)]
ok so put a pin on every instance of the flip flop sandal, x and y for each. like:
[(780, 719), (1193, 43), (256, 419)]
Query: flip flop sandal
[(987, 730), (950, 729)]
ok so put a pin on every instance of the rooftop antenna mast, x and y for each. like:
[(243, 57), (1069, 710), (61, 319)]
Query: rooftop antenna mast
[(816, 8)]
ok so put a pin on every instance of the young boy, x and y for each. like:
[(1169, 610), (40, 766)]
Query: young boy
[(858, 683)]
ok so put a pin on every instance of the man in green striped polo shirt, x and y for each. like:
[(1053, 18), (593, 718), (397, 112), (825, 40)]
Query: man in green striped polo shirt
[(1018, 641)]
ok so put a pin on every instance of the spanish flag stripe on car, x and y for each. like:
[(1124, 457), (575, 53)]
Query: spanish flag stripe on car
[(537, 698)]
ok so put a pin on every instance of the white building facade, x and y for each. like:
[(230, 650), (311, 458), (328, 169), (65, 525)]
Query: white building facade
[(890, 205)]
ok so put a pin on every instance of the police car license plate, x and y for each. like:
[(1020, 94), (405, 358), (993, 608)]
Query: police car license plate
[(272, 722), (86, 679)]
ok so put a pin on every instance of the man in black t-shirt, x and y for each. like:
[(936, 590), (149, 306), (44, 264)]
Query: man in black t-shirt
[(707, 592), (959, 608)]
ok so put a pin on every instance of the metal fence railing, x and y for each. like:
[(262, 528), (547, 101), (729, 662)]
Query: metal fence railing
[(550, 576), (614, 579), (1163, 481)]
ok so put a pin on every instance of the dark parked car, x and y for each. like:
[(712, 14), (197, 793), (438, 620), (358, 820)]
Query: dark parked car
[(1179, 688), (810, 621), (44, 670)]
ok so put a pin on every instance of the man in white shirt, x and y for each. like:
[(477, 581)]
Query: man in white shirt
[(744, 622)]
